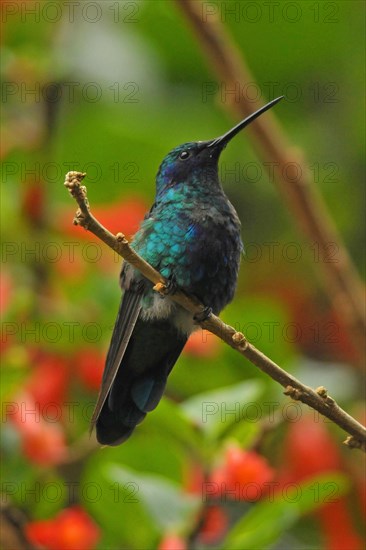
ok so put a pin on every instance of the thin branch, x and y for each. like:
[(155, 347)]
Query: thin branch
[(13, 521), (341, 281), (317, 399)]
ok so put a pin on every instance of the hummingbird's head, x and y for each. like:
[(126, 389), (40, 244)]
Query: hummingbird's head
[(189, 163), (194, 165)]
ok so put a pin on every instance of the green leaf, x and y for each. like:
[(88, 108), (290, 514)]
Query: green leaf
[(262, 320), (266, 522), (134, 508), (167, 505), (164, 457), (13, 373), (51, 494), (219, 410), (171, 420), (117, 506)]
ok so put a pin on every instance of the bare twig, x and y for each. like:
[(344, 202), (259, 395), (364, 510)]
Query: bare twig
[(341, 281), (318, 399), (13, 521)]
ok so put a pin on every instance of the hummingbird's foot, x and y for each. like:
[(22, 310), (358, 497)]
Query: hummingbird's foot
[(203, 315), (171, 286)]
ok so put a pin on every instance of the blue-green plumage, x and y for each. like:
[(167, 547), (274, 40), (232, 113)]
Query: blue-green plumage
[(192, 236)]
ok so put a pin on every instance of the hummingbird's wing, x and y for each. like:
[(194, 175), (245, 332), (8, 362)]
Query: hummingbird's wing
[(128, 313)]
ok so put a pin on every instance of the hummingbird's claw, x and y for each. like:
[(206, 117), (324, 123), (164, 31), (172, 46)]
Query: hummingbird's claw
[(203, 315), (171, 286)]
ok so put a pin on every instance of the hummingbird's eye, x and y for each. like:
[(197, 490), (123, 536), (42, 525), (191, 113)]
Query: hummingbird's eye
[(184, 155)]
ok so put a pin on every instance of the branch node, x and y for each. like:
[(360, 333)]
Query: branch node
[(78, 192), (160, 287), (293, 393), (323, 393), (353, 443), (330, 401), (121, 238), (203, 315), (80, 219), (240, 341), (73, 179)]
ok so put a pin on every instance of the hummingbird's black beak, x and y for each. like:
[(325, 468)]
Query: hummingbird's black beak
[(222, 141)]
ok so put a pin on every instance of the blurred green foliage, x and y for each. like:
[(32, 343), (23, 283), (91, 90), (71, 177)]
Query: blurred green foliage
[(112, 97)]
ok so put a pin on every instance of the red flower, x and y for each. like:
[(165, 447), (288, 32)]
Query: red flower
[(89, 366), (194, 479), (242, 476), (6, 295), (6, 290), (33, 201), (172, 542), (338, 528), (48, 382), (124, 216), (72, 529), (202, 343), (214, 526), (309, 450), (41, 533), (44, 445), (42, 442), (71, 264)]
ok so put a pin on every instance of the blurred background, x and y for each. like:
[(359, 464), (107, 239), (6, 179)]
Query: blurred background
[(225, 461)]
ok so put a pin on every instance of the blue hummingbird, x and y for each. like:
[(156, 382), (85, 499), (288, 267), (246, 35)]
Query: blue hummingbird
[(191, 235)]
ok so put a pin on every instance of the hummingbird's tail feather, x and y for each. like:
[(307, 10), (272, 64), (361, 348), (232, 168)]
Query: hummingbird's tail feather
[(147, 392), (139, 384), (128, 313)]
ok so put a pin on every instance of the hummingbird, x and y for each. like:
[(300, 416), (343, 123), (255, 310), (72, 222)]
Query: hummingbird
[(192, 236)]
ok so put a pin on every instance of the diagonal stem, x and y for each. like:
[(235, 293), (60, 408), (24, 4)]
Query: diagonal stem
[(317, 399)]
